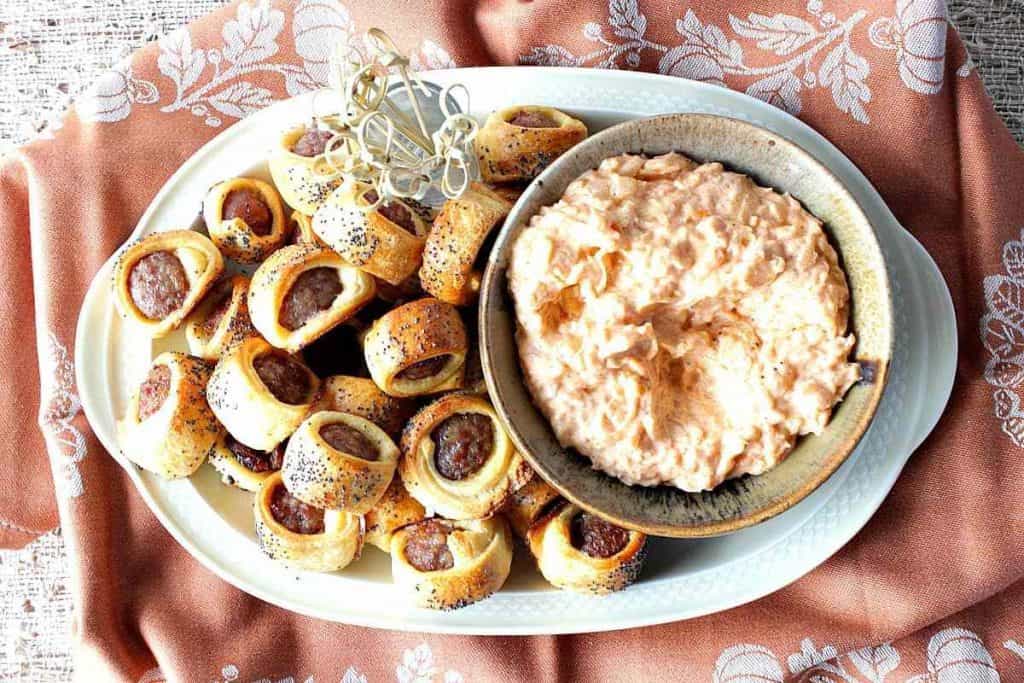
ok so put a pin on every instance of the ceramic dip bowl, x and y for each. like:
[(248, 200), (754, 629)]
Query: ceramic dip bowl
[(771, 161)]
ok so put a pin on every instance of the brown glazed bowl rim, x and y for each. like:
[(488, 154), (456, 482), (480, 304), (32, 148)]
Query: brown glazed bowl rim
[(500, 385)]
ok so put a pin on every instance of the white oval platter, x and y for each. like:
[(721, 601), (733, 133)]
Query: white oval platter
[(682, 579)]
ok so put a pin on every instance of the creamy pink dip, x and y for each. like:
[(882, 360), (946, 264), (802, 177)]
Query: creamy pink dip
[(679, 324)]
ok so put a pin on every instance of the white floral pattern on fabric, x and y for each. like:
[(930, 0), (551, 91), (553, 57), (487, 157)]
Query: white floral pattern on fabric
[(706, 54), (747, 664), (875, 663), (809, 656), (352, 675), (230, 673), (416, 666), (918, 35), (111, 96), (799, 53), (1002, 334), (955, 655), (59, 407), (249, 40), (794, 46), (211, 83), (430, 56), (967, 68), (320, 28)]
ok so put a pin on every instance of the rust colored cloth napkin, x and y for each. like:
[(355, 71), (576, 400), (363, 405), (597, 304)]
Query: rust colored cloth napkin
[(931, 589)]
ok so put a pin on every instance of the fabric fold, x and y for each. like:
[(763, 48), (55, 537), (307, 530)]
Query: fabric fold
[(29, 508)]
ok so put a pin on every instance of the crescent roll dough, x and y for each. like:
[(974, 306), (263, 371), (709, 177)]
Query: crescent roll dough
[(386, 241), (301, 292), (169, 428), (446, 565), (245, 219), (517, 143), (579, 551), (450, 269), (458, 460), (417, 348), (304, 180), (221, 321), (261, 394), (303, 536), (339, 461), (160, 279)]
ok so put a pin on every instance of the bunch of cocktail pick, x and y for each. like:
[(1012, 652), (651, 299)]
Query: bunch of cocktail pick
[(381, 135)]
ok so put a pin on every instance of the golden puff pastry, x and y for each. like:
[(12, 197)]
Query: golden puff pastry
[(528, 502), (221, 321), (451, 269), (443, 564), (418, 348), (299, 169), (360, 396), (386, 241), (394, 510), (245, 219), (302, 291), (302, 230), (260, 394), (160, 279), (301, 535), (169, 429), (457, 459), (244, 467), (339, 461), (579, 551), (517, 143)]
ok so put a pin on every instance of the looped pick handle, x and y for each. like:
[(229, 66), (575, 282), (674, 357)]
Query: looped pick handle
[(381, 144)]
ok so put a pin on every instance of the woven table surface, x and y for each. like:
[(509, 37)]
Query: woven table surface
[(52, 49)]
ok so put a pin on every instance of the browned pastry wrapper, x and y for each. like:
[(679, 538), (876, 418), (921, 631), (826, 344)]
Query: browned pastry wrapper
[(210, 337), (525, 505), (481, 558), (247, 407), (169, 428), (235, 238), (360, 396), (512, 153), (302, 230), (450, 269), (333, 548), (394, 510), (368, 238), (566, 566), (199, 260), (481, 489), (338, 477), (272, 286), (416, 333)]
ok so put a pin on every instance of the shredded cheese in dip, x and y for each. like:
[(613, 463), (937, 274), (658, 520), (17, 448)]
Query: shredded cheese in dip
[(678, 324)]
